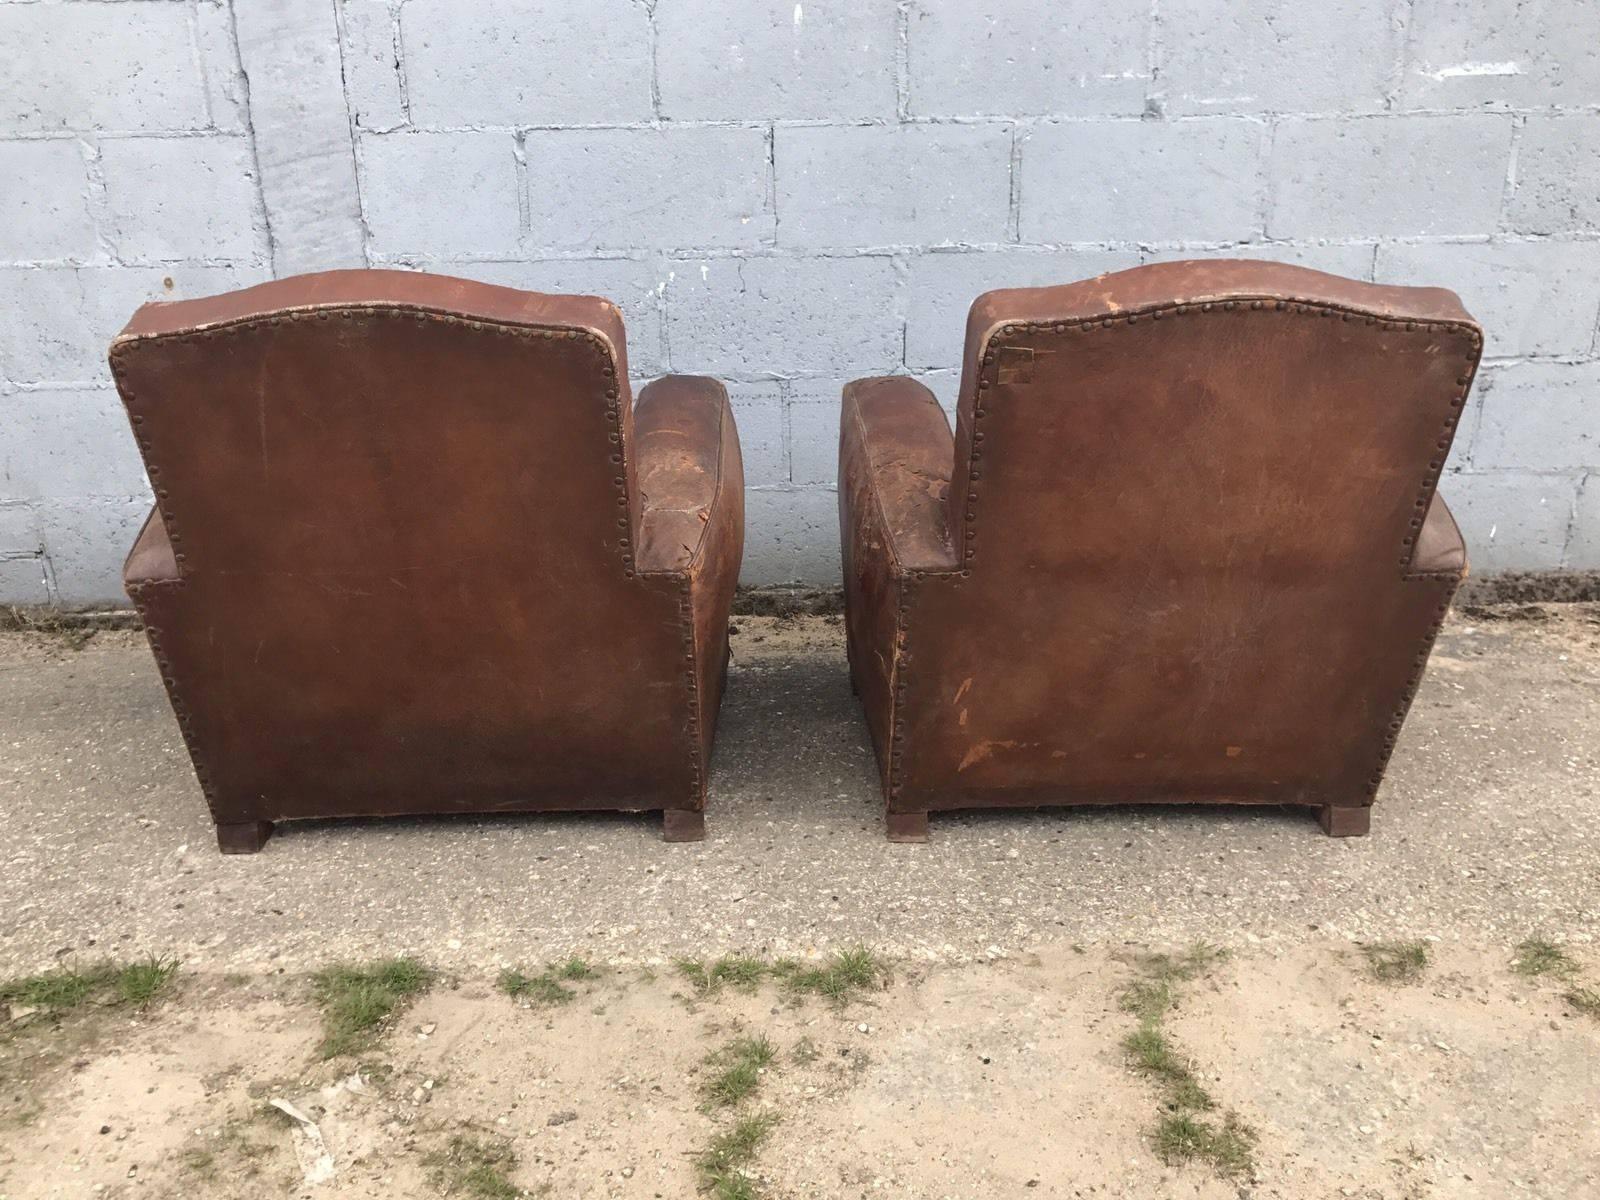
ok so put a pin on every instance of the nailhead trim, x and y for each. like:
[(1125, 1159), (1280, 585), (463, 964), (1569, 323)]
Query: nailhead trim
[(988, 378), (228, 331)]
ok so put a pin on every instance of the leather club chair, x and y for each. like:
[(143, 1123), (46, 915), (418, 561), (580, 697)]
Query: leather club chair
[(1184, 546), (416, 550)]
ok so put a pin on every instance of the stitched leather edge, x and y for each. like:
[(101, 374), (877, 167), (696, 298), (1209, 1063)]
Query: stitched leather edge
[(139, 594), (987, 377), (686, 626), (227, 329)]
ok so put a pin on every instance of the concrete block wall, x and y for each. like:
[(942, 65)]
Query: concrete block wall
[(789, 195)]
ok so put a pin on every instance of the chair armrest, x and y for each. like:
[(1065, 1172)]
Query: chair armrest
[(687, 467), (1440, 549), (896, 455), (151, 560)]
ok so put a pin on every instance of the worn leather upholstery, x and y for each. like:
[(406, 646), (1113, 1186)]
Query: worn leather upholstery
[(1184, 545), (416, 550)]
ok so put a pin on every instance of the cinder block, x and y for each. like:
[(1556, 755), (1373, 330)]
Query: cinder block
[(1276, 55), (372, 64), (1583, 544), (676, 188), (738, 60), (1539, 416), (791, 536), (526, 62), (814, 433), (1128, 181), (940, 289), (1027, 58), (1353, 260), (44, 210), (632, 285), (59, 322), (482, 215), (86, 541), (219, 60), (1532, 297), (1511, 521), (1558, 175), (946, 388), (758, 411), (1388, 176), (1469, 53), (781, 316), (22, 580), (169, 199), (882, 185), (59, 444), (298, 110), (19, 530), (123, 67)]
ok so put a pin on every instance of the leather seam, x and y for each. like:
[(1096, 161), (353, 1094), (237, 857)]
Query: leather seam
[(180, 709)]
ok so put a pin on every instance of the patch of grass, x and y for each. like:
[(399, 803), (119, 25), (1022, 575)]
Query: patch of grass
[(721, 1164), (1535, 956), (1149, 1053), (737, 970), (736, 1070), (1396, 962), (139, 983), (547, 987), (471, 1166), (356, 1001), (1229, 1147), (805, 1052), (839, 979), (1183, 1132), (1585, 1000), (108, 983)]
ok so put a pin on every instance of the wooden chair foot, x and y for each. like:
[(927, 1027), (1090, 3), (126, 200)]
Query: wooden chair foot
[(1345, 820), (908, 827), (683, 825), (242, 837)]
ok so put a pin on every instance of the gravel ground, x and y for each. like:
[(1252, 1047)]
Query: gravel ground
[(1483, 834)]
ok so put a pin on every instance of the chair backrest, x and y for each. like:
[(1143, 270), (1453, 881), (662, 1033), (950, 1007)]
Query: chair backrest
[(402, 510), (1185, 498), (1235, 418), (338, 425)]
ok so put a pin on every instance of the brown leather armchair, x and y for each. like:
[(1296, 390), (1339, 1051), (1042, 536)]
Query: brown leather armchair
[(1184, 546), (415, 550)]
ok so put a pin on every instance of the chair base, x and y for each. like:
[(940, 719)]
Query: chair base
[(683, 825), (243, 837), (908, 826), (1345, 820)]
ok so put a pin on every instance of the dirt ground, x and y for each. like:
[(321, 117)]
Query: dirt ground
[(979, 1080), (991, 1063)]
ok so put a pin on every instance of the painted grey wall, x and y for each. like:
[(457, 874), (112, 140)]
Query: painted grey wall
[(789, 195)]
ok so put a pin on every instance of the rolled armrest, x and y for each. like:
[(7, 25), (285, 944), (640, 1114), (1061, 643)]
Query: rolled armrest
[(896, 455), (686, 456), (1440, 548), (151, 560)]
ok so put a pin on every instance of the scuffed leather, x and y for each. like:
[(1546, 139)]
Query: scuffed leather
[(1190, 548), (691, 487), (400, 558)]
